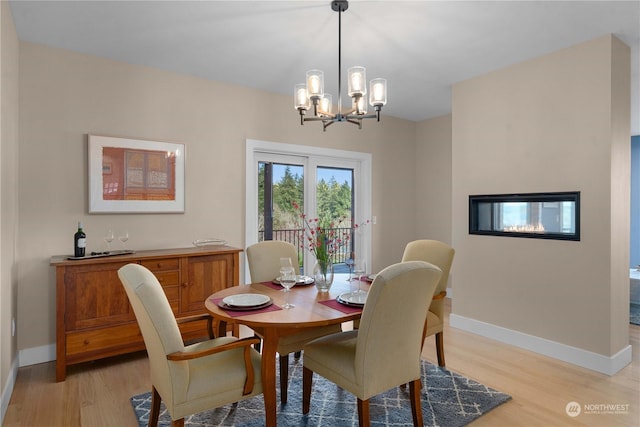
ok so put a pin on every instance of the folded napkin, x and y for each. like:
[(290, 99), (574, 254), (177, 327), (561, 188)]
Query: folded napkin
[(347, 309), (238, 313)]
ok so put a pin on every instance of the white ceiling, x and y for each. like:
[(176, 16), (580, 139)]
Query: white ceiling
[(420, 47)]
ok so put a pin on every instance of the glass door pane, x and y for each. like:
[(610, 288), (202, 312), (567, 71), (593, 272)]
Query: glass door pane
[(334, 205), (280, 187)]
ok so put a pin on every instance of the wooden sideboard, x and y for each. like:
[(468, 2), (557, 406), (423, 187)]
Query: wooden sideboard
[(93, 316)]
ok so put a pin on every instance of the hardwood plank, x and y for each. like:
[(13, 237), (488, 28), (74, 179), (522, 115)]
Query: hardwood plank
[(97, 393), (540, 386)]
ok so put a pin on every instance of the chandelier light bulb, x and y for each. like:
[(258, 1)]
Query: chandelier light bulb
[(357, 77), (378, 92), (300, 97), (325, 104), (315, 83)]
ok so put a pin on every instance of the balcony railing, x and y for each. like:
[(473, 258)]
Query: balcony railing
[(293, 236)]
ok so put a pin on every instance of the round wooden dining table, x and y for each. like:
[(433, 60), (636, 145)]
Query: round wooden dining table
[(312, 308)]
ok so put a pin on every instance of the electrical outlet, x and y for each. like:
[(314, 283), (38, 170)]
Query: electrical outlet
[(374, 219)]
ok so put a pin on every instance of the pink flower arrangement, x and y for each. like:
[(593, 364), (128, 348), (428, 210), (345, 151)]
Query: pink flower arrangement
[(323, 243)]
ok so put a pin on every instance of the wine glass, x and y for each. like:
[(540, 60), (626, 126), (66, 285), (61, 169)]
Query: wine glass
[(123, 237), (359, 270), (287, 280), (349, 262), (285, 262), (109, 238)]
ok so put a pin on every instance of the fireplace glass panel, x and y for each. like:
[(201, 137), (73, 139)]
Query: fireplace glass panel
[(536, 215)]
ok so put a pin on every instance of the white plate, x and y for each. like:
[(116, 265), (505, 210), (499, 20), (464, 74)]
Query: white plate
[(354, 298), (246, 300), (300, 280)]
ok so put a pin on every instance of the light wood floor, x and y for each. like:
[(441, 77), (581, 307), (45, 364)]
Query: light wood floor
[(97, 393)]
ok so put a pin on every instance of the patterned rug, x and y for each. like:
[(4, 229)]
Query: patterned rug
[(448, 399)]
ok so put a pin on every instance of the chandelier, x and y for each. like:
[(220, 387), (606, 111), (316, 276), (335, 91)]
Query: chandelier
[(312, 92)]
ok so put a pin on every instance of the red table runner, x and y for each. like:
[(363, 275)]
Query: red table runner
[(238, 313), (272, 285), (341, 307)]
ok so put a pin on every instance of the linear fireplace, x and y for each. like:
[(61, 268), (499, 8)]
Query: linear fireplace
[(533, 215)]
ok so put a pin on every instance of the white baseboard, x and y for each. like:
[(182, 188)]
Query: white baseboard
[(584, 358), (609, 365), (35, 355), (7, 390)]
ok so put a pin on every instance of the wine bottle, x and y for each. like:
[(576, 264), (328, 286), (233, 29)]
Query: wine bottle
[(79, 242)]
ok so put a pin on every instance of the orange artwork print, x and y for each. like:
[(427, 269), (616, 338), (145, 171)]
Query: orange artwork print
[(136, 174)]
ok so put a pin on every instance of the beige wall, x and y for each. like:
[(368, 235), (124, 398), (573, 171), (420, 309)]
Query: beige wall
[(8, 194), (538, 126), (65, 96), (433, 178)]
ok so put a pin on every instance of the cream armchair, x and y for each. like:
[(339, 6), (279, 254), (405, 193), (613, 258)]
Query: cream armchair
[(264, 266), (385, 351), (194, 378), (441, 255)]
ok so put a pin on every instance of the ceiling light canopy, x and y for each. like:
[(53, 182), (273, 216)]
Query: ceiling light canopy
[(311, 93)]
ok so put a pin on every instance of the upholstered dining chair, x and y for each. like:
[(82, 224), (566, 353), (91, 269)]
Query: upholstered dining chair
[(441, 255), (264, 266), (385, 351), (194, 378)]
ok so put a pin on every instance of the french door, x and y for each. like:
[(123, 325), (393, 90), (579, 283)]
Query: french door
[(325, 184)]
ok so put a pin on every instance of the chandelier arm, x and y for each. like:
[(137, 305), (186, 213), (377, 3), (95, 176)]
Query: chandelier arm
[(361, 116), (316, 119), (357, 122), (326, 124)]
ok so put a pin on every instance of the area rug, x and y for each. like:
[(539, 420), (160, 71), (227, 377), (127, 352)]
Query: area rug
[(448, 400), (634, 314)]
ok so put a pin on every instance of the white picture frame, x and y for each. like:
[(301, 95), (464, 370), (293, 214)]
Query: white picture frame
[(135, 176)]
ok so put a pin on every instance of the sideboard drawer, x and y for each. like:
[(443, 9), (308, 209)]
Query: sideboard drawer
[(98, 339), (168, 278), (161, 264)]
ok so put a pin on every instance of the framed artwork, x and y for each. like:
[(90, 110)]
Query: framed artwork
[(135, 176)]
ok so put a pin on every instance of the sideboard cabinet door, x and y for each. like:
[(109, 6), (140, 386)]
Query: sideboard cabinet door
[(204, 276), (95, 297)]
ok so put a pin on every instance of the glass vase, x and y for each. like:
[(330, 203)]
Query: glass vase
[(323, 275)]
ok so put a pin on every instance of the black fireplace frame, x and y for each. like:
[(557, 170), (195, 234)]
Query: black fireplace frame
[(475, 201)]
